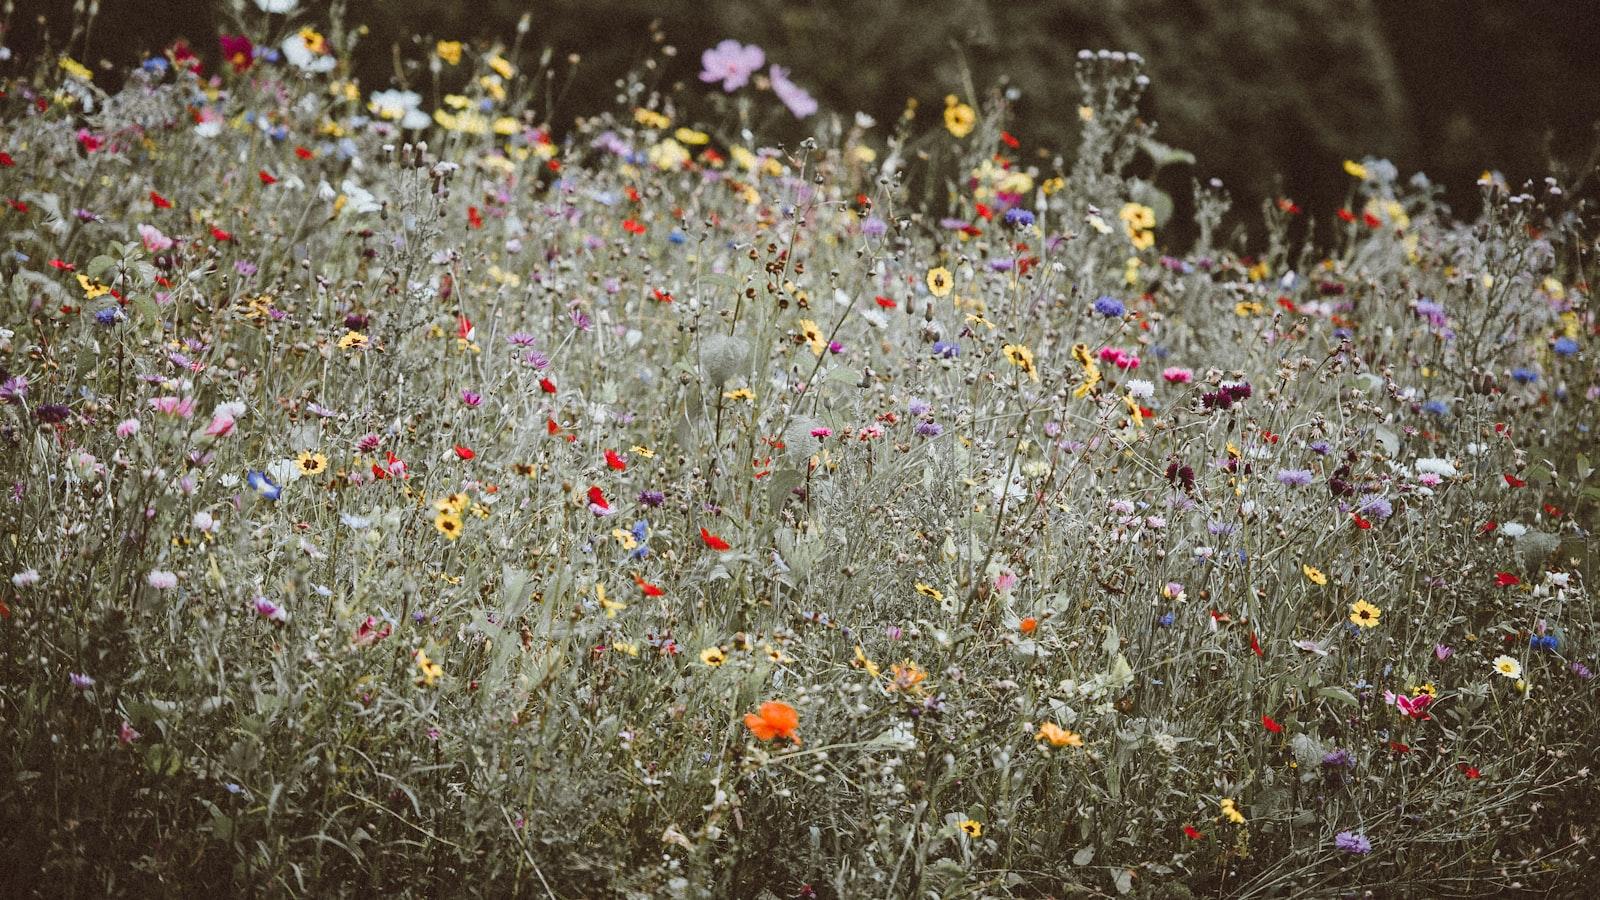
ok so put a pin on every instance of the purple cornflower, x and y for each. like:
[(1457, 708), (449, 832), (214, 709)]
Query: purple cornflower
[(652, 498), (946, 349), (1294, 477), (731, 63), (1110, 307), (1582, 671), (1372, 504), (80, 681), (536, 359), (929, 429), (1351, 842), (918, 407), (874, 227), (52, 413), (1338, 759), (521, 339), (14, 390), (1017, 217)]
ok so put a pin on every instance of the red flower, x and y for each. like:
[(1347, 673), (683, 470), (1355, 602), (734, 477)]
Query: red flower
[(597, 497), (63, 265), (632, 227), (663, 296), (1506, 579), (220, 235), (1271, 724), (1255, 645), (1489, 526), (1361, 523), (1470, 771), (464, 452), (645, 587), (266, 177), (303, 153), (1552, 511), (616, 462), (1371, 220), (551, 426), (546, 385), (160, 201), (474, 218), (713, 541), (1514, 481), (1010, 140), (884, 302), (775, 719), (6, 160), (1346, 215), (1193, 833), (1398, 747)]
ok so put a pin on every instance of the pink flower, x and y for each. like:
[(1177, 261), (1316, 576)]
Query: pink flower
[(221, 426), (270, 611), (126, 734), (183, 407), (368, 633), (154, 240), (160, 580), (821, 432), (127, 428), (1177, 375), (793, 96), (731, 63), (1005, 581)]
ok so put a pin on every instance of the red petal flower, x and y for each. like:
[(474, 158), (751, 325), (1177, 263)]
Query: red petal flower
[(713, 541), (645, 587), (266, 177), (1506, 579), (598, 498), (160, 201), (1514, 481), (1255, 645), (1193, 833), (616, 462), (546, 385), (1271, 724), (464, 452)]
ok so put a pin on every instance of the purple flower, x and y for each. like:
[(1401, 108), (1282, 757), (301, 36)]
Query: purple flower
[(80, 681), (1338, 759), (1351, 842), (1372, 504), (1017, 217), (1294, 477), (793, 96), (929, 429), (918, 407), (731, 63), (471, 398), (52, 413), (874, 227), (652, 498), (521, 339), (1110, 307), (1582, 671), (14, 390)]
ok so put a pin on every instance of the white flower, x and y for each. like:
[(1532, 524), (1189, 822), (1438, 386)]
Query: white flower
[(1513, 529), (302, 57), (25, 578), (399, 106), (280, 7), (204, 521), (1139, 389), (161, 580), (1436, 466), (361, 199)]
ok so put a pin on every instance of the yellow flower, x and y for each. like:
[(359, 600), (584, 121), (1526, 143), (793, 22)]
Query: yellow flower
[(813, 336), (1091, 370), (1314, 575), (430, 669), (501, 67), (354, 340), (1364, 614), (506, 125), (311, 463), (448, 523), (76, 69), (1247, 308), (1137, 216), (1355, 169), (741, 394), (625, 647), (449, 51), (1058, 736), (1508, 667), (1021, 357), (625, 538), (1426, 688), (91, 288), (713, 656), (928, 590), (691, 137), (863, 662), (1231, 811), (972, 827), (939, 281), (649, 118), (452, 502), (645, 452), (959, 118), (667, 155), (612, 607)]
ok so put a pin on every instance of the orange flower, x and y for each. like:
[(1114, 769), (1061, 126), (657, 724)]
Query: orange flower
[(775, 719), (1027, 625)]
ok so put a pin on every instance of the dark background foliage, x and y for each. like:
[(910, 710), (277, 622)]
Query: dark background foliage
[(1269, 94)]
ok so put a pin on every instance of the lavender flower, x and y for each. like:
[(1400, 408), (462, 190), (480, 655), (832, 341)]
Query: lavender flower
[(1351, 842), (731, 63), (793, 96), (1294, 477)]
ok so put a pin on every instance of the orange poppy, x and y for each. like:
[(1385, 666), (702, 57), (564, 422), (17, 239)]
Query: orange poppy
[(775, 719)]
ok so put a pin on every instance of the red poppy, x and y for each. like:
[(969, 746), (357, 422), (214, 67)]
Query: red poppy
[(1361, 523), (646, 588), (884, 302), (663, 296), (63, 265), (219, 235), (266, 177), (1506, 579), (616, 462), (551, 426), (6, 160), (464, 452), (1346, 215), (474, 218), (1470, 771), (1552, 511), (303, 153), (597, 497), (546, 385), (1255, 645), (1193, 833), (1514, 481), (713, 541), (774, 719), (1489, 526), (1398, 747), (160, 201), (1271, 724), (632, 227)]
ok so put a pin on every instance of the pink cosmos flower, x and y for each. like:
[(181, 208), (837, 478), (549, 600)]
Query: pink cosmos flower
[(154, 240), (731, 63), (182, 407), (793, 96)]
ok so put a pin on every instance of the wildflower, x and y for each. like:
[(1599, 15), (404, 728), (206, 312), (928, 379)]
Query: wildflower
[(713, 656), (714, 542), (1193, 833), (1443, 652), (1058, 736), (744, 394), (161, 580), (1021, 357), (430, 669), (959, 118), (1176, 375), (731, 63), (80, 681), (928, 590), (1505, 665), (354, 340), (126, 734), (1314, 575), (448, 523), (906, 676), (311, 463), (799, 102), (611, 607), (264, 486), (774, 719), (270, 611), (1351, 842), (813, 336), (1271, 724), (448, 51), (972, 828), (1110, 307), (1295, 477), (1364, 614), (1231, 811), (939, 281)]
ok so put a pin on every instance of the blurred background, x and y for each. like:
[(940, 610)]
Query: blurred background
[(1270, 95)]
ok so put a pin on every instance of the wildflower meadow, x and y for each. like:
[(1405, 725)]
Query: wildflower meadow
[(407, 493)]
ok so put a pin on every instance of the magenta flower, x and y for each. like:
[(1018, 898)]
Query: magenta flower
[(793, 96), (731, 63)]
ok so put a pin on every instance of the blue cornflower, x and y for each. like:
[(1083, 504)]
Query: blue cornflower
[(1524, 376), (1017, 217), (1436, 407), (108, 316), (1542, 642), (1294, 477), (929, 429), (1166, 620), (1565, 346), (1320, 448), (946, 349), (678, 237), (1110, 307), (263, 485), (1377, 506), (641, 533)]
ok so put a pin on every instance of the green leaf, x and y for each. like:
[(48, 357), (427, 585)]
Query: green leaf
[(1339, 694)]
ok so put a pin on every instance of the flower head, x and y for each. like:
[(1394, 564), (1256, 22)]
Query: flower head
[(731, 63), (774, 719)]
